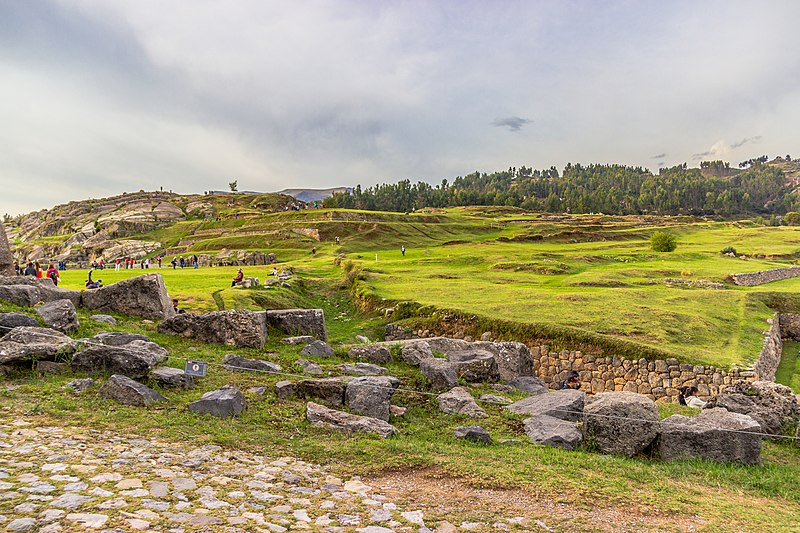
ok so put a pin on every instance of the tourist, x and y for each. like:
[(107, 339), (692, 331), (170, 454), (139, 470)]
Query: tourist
[(174, 263), (688, 397), (158, 258), (117, 265), (176, 308), (238, 279), (182, 261), (573, 381), (313, 251), (93, 284), (39, 273), (30, 270), (52, 273), (403, 251)]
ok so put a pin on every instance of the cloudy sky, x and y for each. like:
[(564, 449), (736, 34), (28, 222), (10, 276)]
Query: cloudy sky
[(99, 97)]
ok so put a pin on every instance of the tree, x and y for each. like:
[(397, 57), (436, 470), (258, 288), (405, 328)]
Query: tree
[(792, 218), (234, 185), (662, 241)]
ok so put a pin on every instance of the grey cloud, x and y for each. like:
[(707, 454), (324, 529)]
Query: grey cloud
[(746, 140), (702, 154), (512, 123), (659, 156)]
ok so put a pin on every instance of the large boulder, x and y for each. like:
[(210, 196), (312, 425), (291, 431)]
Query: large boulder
[(530, 384), (21, 295), (415, 352), (362, 369), (172, 377), (321, 416), (772, 405), (6, 258), (118, 338), (9, 321), (714, 434), (332, 390), (223, 403), (551, 431), (245, 329), (439, 373), (28, 291), (299, 322), (458, 401), (237, 363), (134, 359), (60, 315), (474, 365), (317, 349), (27, 343), (623, 423), (129, 392), (564, 404), (370, 395), (513, 358), (374, 353), (145, 296), (473, 433)]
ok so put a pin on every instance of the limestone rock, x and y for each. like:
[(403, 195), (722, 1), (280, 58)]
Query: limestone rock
[(473, 433), (223, 403), (714, 434), (9, 321), (551, 431), (106, 319), (6, 257), (317, 349), (321, 416), (172, 377), (439, 373), (129, 392), (309, 367), (22, 295), (50, 368), (513, 358), (362, 369), (145, 296), (370, 395), (284, 389), (475, 365), (236, 363), (564, 404), (458, 401), (415, 352), (332, 390), (302, 339), (245, 329), (772, 405), (299, 322), (624, 423), (60, 315), (118, 338), (530, 384), (79, 385), (134, 359), (26, 343), (28, 291), (374, 353)]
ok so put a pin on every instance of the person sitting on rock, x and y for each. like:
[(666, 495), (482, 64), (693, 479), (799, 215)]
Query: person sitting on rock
[(573, 381), (175, 306), (688, 397), (238, 279)]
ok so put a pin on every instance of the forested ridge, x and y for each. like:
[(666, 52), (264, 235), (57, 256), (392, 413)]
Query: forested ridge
[(714, 189)]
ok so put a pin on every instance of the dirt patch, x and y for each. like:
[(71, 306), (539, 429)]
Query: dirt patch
[(444, 497)]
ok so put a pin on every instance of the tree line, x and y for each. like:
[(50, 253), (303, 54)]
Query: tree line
[(612, 189)]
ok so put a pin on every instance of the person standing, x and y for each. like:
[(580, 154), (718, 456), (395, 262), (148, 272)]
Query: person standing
[(52, 273), (159, 261), (403, 251), (39, 273), (195, 261)]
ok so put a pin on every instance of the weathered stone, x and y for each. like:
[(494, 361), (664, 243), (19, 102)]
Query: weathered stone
[(133, 360), (28, 291), (322, 416), (475, 365), (370, 395), (714, 434), (772, 405), (374, 353), (60, 315), (513, 358), (317, 349), (362, 369), (458, 401), (302, 339), (19, 525), (564, 404), (50, 368), (145, 296), (105, 319), (245, 329), (309, 367), (224, 402), (439, 373), (493, 398), (551, 431), (473, 433), (623, 423), (415, 352), (530, 384), (6, 257), (299, 322), (237, 363), (118, 338), (172, 377), (22, 295), (79, 385), (9, 321), (129, 392), (27, 343), (284, 389), (332, 390)]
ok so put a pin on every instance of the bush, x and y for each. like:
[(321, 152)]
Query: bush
[(728, 250), (662, 241)]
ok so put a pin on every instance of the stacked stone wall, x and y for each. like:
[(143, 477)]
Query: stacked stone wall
[(790, 326), (750, 279), (770, 356)]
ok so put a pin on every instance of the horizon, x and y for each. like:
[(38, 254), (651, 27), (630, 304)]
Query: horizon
[(99, 98)]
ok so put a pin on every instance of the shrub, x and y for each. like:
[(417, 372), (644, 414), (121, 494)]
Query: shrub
[(728, 250), (662, 241)]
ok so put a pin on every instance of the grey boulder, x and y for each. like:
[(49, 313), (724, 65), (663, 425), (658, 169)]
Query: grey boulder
[(79, 385), (60, 315), (172, 377), (475, 365), (439, 373), (9, 321), (27, 343), (564, 404), (309, 367), (530, 384), (299, 322), (363, 369), (321, 416), (714, 434), (245, 329), (370, 395), (117, 338), (129, 392), (134, 359), (459, 401), (551, 431), (317, 349), (302, 339), (473, 433), (623, 423), (772, 405), (513, 358), (374, 353), (236, 363), (331, 390), (105, 319), (225, 402), (415, 352), (145, 296)]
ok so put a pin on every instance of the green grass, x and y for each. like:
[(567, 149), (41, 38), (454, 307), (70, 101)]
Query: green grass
[(788, 372)]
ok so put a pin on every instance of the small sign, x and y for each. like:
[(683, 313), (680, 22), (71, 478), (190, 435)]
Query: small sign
[(196, 368)]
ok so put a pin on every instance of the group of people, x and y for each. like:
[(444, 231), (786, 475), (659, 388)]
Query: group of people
[(687, 395), (34, 269), (193, 261)]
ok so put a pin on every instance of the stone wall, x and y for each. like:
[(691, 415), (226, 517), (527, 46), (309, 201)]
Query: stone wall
[(750, 279), (770, 356), (790, 326)]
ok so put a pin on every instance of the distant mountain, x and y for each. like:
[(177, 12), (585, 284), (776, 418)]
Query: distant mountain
[(314, 195)]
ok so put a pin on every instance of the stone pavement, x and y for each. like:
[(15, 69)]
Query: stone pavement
[(74, 479)]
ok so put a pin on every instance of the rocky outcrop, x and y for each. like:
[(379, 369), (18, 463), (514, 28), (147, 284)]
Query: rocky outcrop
[(374, 353), (714, 434), (134, 359), (624, 423), (6, 258), (321, 416), (9, 321), (564, 404), (236, 363), (772, 405), (60, 315), (225, 402), (26, 343), (245, 329), (458, 401), (299, 322), (145, 296), (439, 374), (370, 395), (550, 431), (129, 392)]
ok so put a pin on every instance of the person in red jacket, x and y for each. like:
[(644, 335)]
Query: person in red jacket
[(52, 273), (238, 279)]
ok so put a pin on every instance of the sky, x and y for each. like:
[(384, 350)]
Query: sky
[(99, 98)]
